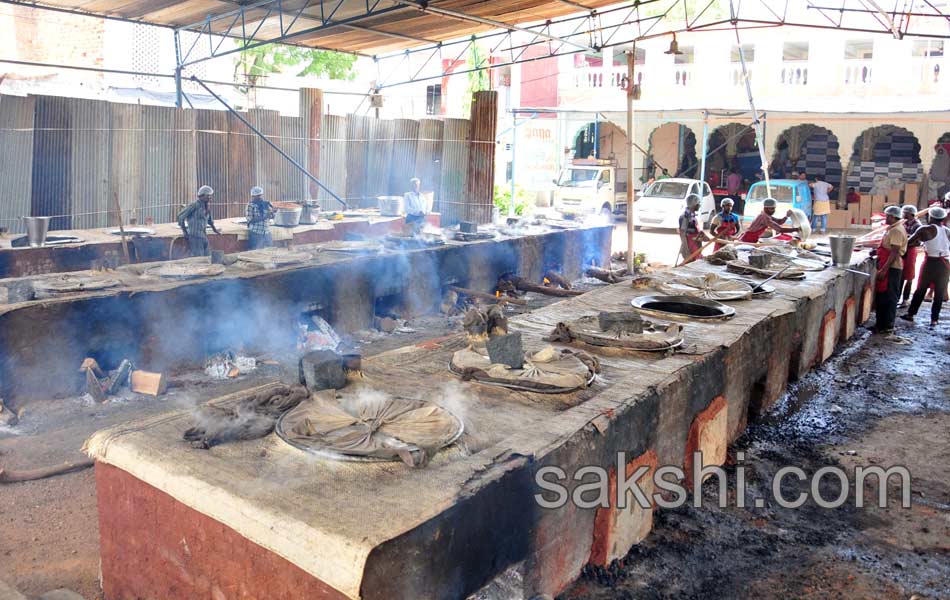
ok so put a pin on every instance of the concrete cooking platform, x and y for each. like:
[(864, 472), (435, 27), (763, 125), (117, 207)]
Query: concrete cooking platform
[(259, 519), (158, 322), (102, 243)]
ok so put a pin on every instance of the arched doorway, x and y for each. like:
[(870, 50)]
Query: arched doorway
[(672, 147), (732, 146), (940, 169), (808, 149), (884, 156), (601, 139)]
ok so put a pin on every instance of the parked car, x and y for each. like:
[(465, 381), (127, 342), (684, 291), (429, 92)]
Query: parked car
[(661, 204), (788, 193)]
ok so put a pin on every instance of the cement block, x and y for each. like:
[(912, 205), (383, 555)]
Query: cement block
[(627, 322), (708, 434), (828, 336), (848, 319), (322, 370), (506, 350), (867, 299), (616, 529)]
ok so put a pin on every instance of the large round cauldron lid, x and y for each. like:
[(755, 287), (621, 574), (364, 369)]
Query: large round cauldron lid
[(683, 308)]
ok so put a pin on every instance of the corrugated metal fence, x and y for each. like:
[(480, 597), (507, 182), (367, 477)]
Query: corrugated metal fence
[(73, 158)]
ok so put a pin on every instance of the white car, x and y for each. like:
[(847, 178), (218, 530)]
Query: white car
[(661, 204)]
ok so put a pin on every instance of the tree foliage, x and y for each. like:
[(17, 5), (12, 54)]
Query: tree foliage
[(477, 80), (259, 62)]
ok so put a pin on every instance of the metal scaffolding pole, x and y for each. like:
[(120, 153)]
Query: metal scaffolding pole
[(270, 143), (630, 161), (178, 94)]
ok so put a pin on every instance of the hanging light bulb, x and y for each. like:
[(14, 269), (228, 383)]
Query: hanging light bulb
[(674, 47)]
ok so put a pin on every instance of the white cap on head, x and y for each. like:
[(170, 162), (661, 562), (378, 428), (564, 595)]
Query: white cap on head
[(415, 180), (769, 203), (907, 208), (727, 202), (893, 211), (947, 196), (205, 190), (257, 191), (693, 200), (938, 213)]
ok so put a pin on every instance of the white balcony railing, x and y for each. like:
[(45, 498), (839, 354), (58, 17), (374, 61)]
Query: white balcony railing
[(927, 73), (794, 74), (857, 73)]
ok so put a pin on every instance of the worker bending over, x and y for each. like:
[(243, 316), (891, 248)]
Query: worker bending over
[(194, 220), (725, 225), (889, 271), (766, 221), (935, 238), (691, 234), (258, 212)]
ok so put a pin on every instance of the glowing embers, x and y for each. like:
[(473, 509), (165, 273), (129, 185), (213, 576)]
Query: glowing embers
[(363, 424), (683, 307)]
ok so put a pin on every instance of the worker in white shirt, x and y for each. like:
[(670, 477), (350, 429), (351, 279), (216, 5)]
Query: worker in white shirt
[(935, 239), (415, 205)]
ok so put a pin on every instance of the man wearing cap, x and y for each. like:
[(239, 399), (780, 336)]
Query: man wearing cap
[(725, 225), (194, 219), (935, 238), (889, 271), (766, 220), (691, 234), (258, 212), (415, 205), (911, 225)]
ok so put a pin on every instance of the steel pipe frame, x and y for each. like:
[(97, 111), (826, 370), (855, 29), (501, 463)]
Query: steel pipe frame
[(267, 140)]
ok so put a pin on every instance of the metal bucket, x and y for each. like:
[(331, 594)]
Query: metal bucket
[(36, 228), (390, 206), (841, 248)]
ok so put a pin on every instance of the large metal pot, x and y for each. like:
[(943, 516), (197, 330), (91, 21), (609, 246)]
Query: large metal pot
[(287, 215), (390, 206), (36, 229)]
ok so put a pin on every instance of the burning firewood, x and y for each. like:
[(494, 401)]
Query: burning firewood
[(557, 279), (501, 299), (523, 285)]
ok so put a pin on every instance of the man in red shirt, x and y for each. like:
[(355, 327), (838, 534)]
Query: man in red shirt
[(765, 221), (853, 196)]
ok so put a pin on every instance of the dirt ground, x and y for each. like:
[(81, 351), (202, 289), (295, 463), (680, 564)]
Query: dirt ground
[(878, 401)]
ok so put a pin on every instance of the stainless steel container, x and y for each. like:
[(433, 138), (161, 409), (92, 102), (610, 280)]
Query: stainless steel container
[(390, 206), (287, 217), (841, 248), (36, 229), (310, 213)]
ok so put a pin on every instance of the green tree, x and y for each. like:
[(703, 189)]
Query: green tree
[(255, 63), (478, 79)]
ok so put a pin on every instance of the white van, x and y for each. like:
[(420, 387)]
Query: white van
[(661, 204)]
